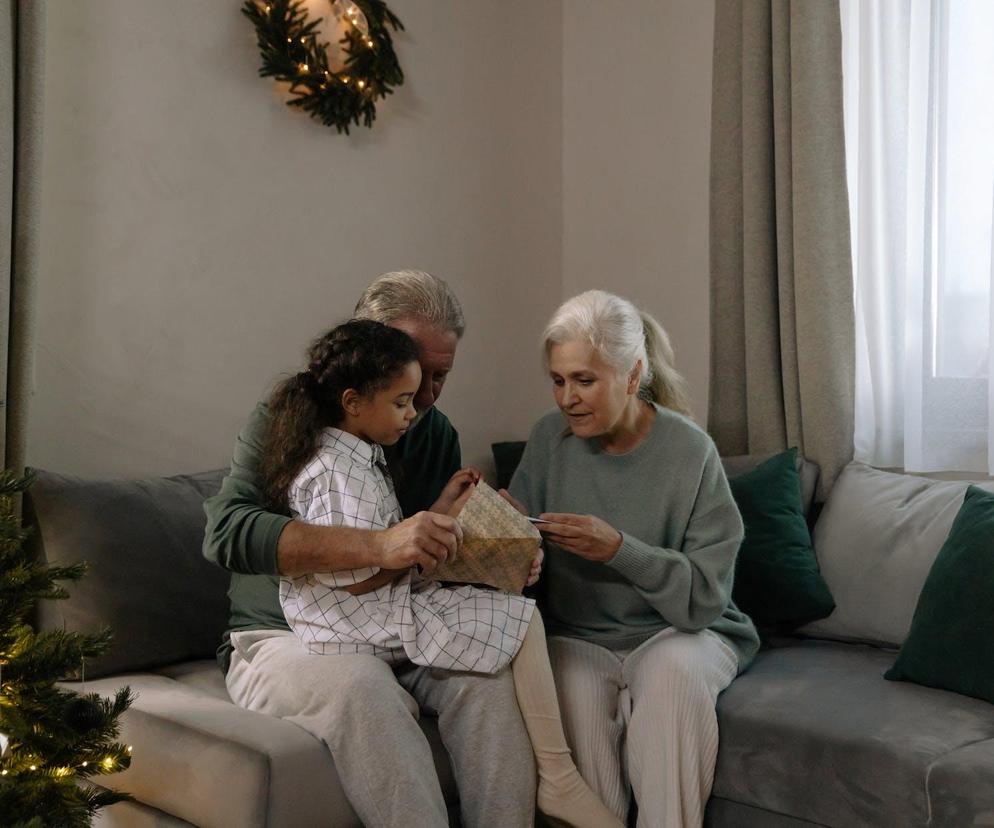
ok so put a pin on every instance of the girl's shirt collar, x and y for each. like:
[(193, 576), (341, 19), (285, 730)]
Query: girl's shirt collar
[(363, 453)]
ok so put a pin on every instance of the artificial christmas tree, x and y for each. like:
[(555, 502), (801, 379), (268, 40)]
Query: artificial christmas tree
[(50, 739)]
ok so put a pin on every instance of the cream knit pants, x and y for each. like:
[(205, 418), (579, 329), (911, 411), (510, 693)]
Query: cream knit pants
[(644, 721)]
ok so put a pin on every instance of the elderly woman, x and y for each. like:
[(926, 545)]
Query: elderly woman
[(643, 536)]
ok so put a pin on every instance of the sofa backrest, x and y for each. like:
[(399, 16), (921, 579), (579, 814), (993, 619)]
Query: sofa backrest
[(147, 578)]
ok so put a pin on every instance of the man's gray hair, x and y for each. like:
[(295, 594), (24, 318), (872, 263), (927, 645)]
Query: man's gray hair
[(407, 294)]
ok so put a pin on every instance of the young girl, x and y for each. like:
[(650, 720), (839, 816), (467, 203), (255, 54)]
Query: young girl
[(323, 461)]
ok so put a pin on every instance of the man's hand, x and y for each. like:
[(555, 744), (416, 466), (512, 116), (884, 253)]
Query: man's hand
[(456, 491), (427, 539), (584, 535)]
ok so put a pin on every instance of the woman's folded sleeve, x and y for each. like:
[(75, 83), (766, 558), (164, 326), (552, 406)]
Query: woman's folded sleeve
[(690, 587)]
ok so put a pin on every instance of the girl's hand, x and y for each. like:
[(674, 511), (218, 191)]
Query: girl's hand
[(584, 535), (456, 492), (536, 569)]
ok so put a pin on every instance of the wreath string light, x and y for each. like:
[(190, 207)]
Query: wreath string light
[(293, 53)]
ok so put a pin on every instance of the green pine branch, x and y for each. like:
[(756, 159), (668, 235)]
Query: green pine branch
[(56, 738), (293, 54)]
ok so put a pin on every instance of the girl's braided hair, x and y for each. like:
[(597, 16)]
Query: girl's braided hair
[(360, 354)]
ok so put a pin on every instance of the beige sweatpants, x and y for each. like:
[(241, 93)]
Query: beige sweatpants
[(644, 721)]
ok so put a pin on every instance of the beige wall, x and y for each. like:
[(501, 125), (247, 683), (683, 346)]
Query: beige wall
[(636, 138), (197, 233)]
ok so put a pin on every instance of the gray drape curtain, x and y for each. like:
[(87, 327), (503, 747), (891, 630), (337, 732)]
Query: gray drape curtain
[(22, 34), (782, 329)]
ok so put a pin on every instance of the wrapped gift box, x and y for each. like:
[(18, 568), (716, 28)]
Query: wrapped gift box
[(499, 544)]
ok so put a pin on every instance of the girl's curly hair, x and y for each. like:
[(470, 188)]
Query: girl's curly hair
[(360, 354)]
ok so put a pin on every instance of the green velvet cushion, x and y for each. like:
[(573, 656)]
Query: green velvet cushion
[(949, 645), (777, 581)]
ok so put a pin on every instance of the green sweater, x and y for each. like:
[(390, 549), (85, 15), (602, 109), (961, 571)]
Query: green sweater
[(681, 532), (242, 535)]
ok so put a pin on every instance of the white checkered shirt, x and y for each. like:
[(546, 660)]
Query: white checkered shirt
[(452, 627)]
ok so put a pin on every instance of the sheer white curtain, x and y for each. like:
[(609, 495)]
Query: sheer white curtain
[(919, 120)]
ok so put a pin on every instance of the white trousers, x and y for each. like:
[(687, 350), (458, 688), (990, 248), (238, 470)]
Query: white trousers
[(366, 713), (644, 721)]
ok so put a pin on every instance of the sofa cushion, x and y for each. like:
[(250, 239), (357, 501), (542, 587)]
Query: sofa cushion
[(807, 472), (949, 645), (147, 580), (876, 540), (201, 758), (961, 787), (812, 731), (777, 581)]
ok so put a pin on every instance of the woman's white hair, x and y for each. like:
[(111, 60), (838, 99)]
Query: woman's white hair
[(407, 294), (622, 335)]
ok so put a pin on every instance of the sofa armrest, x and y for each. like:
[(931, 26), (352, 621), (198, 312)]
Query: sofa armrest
[(210, 762)]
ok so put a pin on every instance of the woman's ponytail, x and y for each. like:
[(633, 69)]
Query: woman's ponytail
[(661, 382)]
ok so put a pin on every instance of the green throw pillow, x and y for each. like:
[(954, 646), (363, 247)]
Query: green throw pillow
[(949, 645), (506, 458), (777, 580)]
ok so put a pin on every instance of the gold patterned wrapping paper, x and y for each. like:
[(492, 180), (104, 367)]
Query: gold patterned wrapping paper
[(498, 546)]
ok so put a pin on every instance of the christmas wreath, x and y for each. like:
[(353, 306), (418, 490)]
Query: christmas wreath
[(292, 52)]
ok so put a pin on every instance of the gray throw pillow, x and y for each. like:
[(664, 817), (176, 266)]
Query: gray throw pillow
[(875, 541), (148, 580)]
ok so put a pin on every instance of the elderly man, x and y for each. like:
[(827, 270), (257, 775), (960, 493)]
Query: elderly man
[(364, 710)]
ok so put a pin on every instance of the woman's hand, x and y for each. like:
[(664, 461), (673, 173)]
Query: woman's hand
[(456, 492), (584, 535)]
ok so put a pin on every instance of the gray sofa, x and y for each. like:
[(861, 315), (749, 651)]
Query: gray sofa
[(811, 735)]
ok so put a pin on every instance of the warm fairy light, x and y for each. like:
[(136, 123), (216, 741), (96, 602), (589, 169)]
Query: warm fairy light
[(361, 84), (33, 767), (85, 764), (3, 773), (304, 69), (108, 762), (63, 771), (369, 43), (129, 749)]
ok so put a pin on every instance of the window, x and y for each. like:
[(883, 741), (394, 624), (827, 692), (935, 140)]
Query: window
[(919, 107)]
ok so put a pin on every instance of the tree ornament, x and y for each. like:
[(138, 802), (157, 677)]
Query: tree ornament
[(292, 53), (84, 713)]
